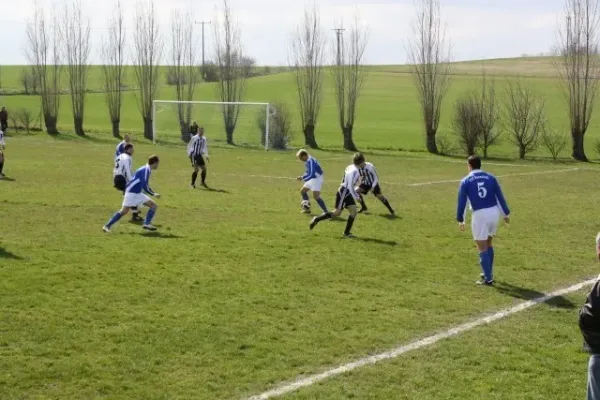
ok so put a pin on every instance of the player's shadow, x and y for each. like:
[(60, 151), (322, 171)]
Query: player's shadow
[(530, 294), (210, 189), (374, 241), (156, 234), (390, 216), (7, 179), (8, 255)]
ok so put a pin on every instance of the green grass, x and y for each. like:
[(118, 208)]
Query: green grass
[(235, 294), (388, 116)]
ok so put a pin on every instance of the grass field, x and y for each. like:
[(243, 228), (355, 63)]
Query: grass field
[(388, 116), (235, 295)]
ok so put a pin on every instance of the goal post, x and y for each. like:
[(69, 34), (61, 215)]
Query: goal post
[(171, 120)]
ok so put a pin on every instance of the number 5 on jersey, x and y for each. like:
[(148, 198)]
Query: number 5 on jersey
[(481, 190)]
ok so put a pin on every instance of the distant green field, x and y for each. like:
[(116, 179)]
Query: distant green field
[(389, 115)]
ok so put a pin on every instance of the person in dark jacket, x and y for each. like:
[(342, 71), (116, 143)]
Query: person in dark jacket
[(589, 323), (3, 119)]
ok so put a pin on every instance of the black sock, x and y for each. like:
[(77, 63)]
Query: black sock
[(324, 216), (361, 201), (194, 177), (203, 176), (387, 204), (349, 224), (1, 166), (135, 210)]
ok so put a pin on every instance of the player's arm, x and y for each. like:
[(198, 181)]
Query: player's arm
[(310, 167), (375, 177), (501, 200), (205, 148), (354, 177), (127, 167), (462, 203), (146, 187)]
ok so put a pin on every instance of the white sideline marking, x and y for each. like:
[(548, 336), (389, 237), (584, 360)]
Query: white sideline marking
[(555, 171), (310, 380)]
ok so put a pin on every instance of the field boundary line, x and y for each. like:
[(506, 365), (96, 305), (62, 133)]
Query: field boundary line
[(546, 172), (307, 381)]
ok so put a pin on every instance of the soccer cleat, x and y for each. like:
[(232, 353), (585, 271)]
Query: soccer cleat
[(362, 210), (348, 235), (192, 186), (105, 229), (483, 282), (313, 223), (204, 185), (149, 227), (136, 217)]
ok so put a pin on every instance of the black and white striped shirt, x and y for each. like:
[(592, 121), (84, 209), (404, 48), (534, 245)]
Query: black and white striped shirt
[(368, 175), (197, 146), (349, 181)]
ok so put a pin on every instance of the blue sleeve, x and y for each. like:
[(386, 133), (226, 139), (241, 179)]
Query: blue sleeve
[(120, 149), (462, 202), (309, 171), (501, 199), (147, 185)]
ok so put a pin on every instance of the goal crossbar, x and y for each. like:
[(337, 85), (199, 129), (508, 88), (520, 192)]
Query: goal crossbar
[(269, 112)]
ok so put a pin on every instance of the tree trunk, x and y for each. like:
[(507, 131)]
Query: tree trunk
[(578, 148), (50, 123), (229, 133), (309, 137), (78, 122), (431, 144), (522, 152), (348, 139), (115, 128), (148, 134), (485, 151)]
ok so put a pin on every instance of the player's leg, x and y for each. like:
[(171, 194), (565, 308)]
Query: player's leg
[(1, 164), (339, 206), (304, 195), (115, 218), (383, 199), (351, 218), (317, 184), (195, 173), (494, 217), (480, 229), (362, 190), (152, 207), (202, 165)]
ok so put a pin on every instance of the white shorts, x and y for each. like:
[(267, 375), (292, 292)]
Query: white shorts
[(135, 199), (484, 223), (314, 184)]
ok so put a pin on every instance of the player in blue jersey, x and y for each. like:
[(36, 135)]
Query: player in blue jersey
[(134, 195), (483, 192), (121, 146), (313, 179)]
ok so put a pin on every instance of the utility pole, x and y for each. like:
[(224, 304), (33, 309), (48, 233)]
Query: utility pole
[(203, 23), (339, 32)]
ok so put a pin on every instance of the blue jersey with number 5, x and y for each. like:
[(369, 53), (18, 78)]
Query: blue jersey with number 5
[(482, 190)]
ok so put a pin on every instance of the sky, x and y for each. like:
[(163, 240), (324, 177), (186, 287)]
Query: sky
[(477, 29)]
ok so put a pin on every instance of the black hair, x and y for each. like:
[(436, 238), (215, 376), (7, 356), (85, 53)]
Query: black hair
[(474, 162), (358, 159), (128, 146), (153, 160)]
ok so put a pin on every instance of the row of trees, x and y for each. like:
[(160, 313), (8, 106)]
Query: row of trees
[(578, 64)]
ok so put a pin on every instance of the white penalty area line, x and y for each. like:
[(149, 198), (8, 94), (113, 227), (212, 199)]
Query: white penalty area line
[(547, 172), (303, 382)]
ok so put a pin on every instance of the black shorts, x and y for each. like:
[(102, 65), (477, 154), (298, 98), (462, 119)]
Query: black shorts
[(343, 199), (120, 183), (197, 161), (365, 189)]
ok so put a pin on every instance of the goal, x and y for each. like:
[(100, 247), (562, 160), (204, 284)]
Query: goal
[(171, 120)]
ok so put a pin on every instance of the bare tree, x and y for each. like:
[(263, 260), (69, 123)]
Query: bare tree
[(307, 61), (43, 54), (579, 66), (429, 57), (147, 54), (488, 116), (554, 141), (229, 56), (348, 78), (113, 60), (523, 117), (75, 37), (183, 70), (465, 123)]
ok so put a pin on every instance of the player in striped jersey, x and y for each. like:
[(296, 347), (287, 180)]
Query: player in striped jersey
[(313, 179), (122, 175), (370, 181), (2, 147), (346, 197), (134, 195), (121, 146), (198, 152)]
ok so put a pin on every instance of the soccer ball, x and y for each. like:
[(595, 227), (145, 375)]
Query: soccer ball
[(305, 205)]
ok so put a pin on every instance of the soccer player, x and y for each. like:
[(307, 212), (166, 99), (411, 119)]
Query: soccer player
[(483, 192), (197, 150), (134, 195), (2, 143), (121, 146), (2, 147), (313, 179), (370, 181), (122, 175), (345, 198)]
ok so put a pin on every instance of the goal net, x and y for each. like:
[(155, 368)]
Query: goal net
[(246, 124)]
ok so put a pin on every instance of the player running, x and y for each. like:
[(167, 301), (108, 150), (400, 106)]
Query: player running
[(345, 198), (370, 181), (134, 195), (483, 192), (121, 146), (122, 175), (313, 179), (198, 152)]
